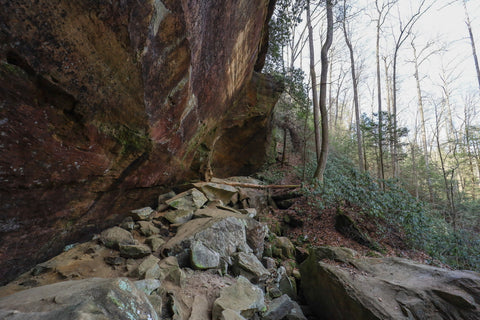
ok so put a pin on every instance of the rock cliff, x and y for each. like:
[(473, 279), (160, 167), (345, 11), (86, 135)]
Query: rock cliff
[(104, 103)]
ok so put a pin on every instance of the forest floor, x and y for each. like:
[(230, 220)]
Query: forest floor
[(309, 225)]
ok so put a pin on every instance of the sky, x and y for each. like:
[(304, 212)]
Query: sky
[(444, 24)]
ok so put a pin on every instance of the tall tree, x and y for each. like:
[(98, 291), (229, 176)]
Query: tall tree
[(354, 83), (382, 12), (322, 160), (313, 77), (472, 41), (404, 32)]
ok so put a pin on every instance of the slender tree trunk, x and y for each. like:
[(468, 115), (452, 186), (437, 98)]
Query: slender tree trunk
[(380, 117), (422, 125), (389, 108), (284, 150), (396, 168), (322, 160), (442, 163), (313, 76), (472, 42), (355, 91)]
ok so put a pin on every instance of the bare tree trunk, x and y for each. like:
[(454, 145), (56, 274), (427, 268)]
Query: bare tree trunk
[(380, 21), (313, 76), (322, 160), (442, 163), (284, 150), (472, 42), (355, 88), (389, 108), (404, 33), (422, 124)]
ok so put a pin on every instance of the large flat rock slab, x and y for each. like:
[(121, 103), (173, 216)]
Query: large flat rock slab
[(338, 285)]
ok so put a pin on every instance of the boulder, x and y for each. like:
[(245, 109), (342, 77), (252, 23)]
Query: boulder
[(179, 216), (128, 224), (216, 191), (241, 297), (386, 288), (93, 298), (224, 235), (230, 314), (155, 242), (346, 226), (204, 257), (170, 271), (248, 266), (148, 286), (134, 251), (116, 236), (285, 247), (278, 308), (148, 268), (147, 228), (189, 200), (142, 214)]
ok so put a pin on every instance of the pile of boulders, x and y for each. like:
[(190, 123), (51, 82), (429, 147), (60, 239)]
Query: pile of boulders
[(200, 254)]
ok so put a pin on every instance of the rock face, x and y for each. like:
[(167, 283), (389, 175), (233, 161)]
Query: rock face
[(339, 286), (93, 298), (103, 103)]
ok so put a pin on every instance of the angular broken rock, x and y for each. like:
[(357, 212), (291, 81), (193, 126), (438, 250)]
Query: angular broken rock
[(285, 246), (148, 286), (241, 297), (248, 265), (113, 237), (203, 257), (142, 214), (134, 251), (190, 200), (229, 314), (180, 216), (92, 298), (386, 288), (148, 268), (224, 235), (147, 228), (170, 271), (279, 308), (155, 242), (216, 191)]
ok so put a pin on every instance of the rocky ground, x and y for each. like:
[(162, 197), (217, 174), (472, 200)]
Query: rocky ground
[(216, 251)]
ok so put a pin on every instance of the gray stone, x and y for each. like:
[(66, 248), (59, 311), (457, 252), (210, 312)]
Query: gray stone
[(286, 247), (386, 288), (279, 308), (128, 224), (269, 263), (93, 298), (250, 212), (190, 200), (148, 268), (134, 251), (166, 196), (179, 216), (223, 235), (216, 191), (157, 303), (170, 271), (155, 242), (242, 297), (203, 257), (229, 314), (296, 313), (142, 214), (247, 265), (147, 228), (148, 286), (114, 261), (116, 236), (201, 309)]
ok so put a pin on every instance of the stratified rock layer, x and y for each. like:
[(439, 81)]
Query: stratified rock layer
[(102, 103), (339, 286)]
